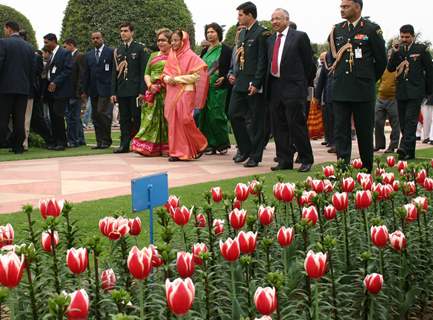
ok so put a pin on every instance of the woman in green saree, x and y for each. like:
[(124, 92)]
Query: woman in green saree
[(152, 138), (213, 120)]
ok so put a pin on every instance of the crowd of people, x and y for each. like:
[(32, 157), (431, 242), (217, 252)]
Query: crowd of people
[(175, 103)]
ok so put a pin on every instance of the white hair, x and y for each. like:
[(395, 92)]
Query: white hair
[(284, 11)]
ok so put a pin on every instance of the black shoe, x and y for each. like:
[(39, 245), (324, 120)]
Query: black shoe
[(104, 146), (238, 153), (426, 140), (95, 147), (332, 150), (251, 163), (297, 160), (418, 138), (389, 150), (305, 167), (59, 148), (173, 159), (431, 142), (51, 146), (279, 167), (198, 155), (121, 150), (378, 149), (240, 158), (324, 143), (18, 150), (210, 151)]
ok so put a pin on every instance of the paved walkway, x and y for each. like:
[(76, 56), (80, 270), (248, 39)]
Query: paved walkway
[(103, 176)]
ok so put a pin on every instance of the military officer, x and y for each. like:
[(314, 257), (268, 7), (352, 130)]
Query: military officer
[(130, 60), (358, 50), (247, 100), (413, 63)]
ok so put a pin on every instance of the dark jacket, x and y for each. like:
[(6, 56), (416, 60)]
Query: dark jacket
[(77, 71), (16, 66), (419, 80), (60, 70), (97, 76), (323, 90), (295, 66), (224, 62)]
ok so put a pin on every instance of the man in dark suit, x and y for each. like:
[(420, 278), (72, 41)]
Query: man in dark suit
[(98, 68), (59, 89), (128, 84), (289, 66), (247, 100), (16, 77), (414, 67), (74, 132), (358, 50)]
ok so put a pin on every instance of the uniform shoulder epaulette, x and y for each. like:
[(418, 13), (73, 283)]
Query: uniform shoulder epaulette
[(341, 24)]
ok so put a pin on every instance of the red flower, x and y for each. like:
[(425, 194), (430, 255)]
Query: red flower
[(401, 165), (348, 184), (265, 300), (114, 228), (380, 172), (108, 280), (180, 295), (236, 204), (428, 184), (247, 242), (11, 269), (200, 220), (362, 175), (134, 226), (357, 164), (197, 250), (277, 191), (363, 199), (396, 185), (185, 264), (390, 161), (366, 183), (172, 202), (388, 178), (77, 260), (318, 185), (51, 207), (287, 192), (379, 236), (329, 186), (315, 264), (6, 235), (46, 240), (329, 171), (421, 203), (157, 260), (230, 249), (340, 201), (217, 194), (420, 176), (409, 188), (411, 212), (285, 236), (241, 192), (307, 198), (254, 187), (397, 240), (218, 226), (237, 218), (310, 214), (266, 215), (329, 212), (373, 283), (181, 216), (140, 262), (78, 308)]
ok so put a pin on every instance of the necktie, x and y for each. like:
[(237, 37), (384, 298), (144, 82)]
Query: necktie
[(351, 27), (97, 55), (275, 54)]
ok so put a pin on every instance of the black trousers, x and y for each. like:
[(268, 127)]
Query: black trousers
[(289, 126), (102, 117), (408, 113), (243, 108), (38, 122), (57, 108), (363, 115), (130, 117), (13, 105)]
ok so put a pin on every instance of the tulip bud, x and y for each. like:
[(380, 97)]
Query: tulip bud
[(114, 228), (172, 202), (357, 164), (237, 218), (7, 235), (420, 176), (180, 295), (218, 226), (318, 185), (78, 308), (200, 220), (134, 226), (51, 207), (217, 194), (340, 201), (285, 236), (157, 260), (409, 188), (140, 262), (181, 216), (265, 300), (401, 165), (422, 203), (348, 185), (11, 269), (388, 178), (241, 192), (310, 214), (230, 249), (266, 215), (398, 241), (46, 240), (379, 236), (329, 186), (428, 184), (390, 161), (236, 204), (363, 199), (373, 283), (329, 171), (77, 260), (362, 175), (366, 183), (411, 212), (253, 187), (247, 242), (315, 264), (287, 192), (380, 172), (197, 250), (108, 280), (329, 212), (277, 191), (185, 264)]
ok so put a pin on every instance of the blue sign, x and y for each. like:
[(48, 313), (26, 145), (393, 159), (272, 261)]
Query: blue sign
[(147, 193)]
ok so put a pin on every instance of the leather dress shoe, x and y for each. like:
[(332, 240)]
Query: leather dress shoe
[(121, 150), (251, 163), (389, 150), (426, 140), (280, 167), (59, 148), (240, 158), (324, 143), (51, 147), (236, 154), (95, 147), (305, 167), (104, 146)]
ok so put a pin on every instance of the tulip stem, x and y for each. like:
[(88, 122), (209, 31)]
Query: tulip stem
[(316, 315), (124, 251), (32, 294), (235, 303), (97, 298), (367, 235), (293, 213), (278, 305), (206, 288), (382, 264), (185, 239), (286, 267), (247, 280), (334, 291), (210, 234), (394, 221), (55, 268), (346, 241), (142, 289), (69, 236)]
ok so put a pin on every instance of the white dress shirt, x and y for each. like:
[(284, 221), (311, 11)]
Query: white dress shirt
[(280, 51), (51, 61)]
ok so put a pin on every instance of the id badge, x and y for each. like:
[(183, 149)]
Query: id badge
[(107, 67), (53, 70), (358, 53)]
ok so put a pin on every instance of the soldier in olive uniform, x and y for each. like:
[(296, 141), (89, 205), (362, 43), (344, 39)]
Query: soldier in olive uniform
[(359, 54), (130, 60), (413, 64), (247, 99)]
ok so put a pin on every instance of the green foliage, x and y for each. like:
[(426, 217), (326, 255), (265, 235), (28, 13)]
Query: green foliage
[(84, 16), (231, 32), (8, 13)]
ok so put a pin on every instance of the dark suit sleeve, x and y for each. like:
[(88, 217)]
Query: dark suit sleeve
[(428, 67), (379, 52), (394, 61), (321, 84), (66, 70), (2, 53), (306, 53), (261, 62), (114, 76), (224, 62), (143, 64), (85, 76)]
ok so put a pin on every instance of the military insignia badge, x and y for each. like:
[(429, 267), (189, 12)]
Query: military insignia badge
[(379, 31), (361, 37), (133, 55)]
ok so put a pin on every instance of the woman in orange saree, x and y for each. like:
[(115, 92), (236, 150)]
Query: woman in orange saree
[(187, 84)]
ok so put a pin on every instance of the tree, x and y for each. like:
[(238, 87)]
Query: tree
[(8, 13), (84, 16)]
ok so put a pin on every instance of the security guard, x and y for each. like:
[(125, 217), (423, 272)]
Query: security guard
[(413, 64), (359, 54), (130, 60), (247, 100)]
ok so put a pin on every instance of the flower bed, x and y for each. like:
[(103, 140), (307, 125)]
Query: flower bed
[(342, 245)]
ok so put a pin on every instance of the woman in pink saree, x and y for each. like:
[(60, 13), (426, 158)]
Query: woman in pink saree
[(187, 84)]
